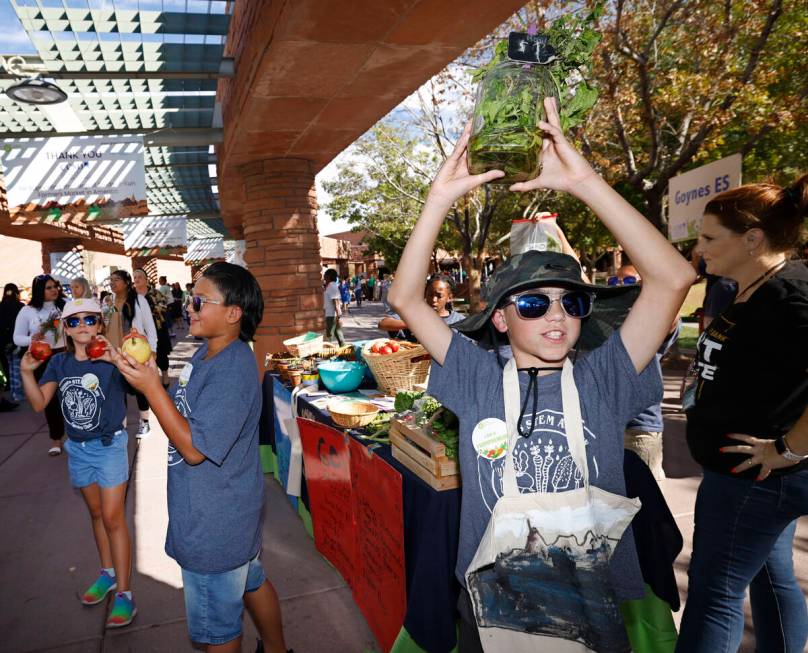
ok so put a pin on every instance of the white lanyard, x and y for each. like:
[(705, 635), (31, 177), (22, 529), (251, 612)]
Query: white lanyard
[(573, 423)]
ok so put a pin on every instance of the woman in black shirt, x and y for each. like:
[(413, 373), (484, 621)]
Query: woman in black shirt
[(747, 425)]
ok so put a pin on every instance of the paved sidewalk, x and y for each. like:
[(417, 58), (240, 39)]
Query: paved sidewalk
[(47, 555)]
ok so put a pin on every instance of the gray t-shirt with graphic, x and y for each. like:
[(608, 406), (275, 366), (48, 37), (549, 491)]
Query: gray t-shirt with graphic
[(469, 383), (214, 508)]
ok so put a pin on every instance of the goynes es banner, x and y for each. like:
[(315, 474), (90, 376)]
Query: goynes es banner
[(90, 178)]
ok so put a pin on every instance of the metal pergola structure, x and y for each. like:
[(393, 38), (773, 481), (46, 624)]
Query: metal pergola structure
[(149, 70)]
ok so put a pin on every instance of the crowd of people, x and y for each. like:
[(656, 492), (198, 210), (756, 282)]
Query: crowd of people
[(551, 382)]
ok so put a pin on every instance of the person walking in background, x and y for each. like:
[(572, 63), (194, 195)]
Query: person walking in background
[(127, 310), (175, 307), (41, 320), (159, 310), (80, 288), (643, 433), (345, 295), (747, 425), (385, 288), (371, 288), (10, 307), (98, 461), (359, 291), (332, 301), (164, 289)]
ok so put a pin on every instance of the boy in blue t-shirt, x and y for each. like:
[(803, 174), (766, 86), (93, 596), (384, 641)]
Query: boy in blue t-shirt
[(215, 481)]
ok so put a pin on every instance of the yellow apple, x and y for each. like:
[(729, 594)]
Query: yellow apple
[(137, 347)]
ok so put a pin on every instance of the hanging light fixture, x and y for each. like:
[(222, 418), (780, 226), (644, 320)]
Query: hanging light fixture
[(36, 90)]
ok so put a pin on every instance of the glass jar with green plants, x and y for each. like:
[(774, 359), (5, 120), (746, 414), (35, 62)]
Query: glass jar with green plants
[(510, 99)]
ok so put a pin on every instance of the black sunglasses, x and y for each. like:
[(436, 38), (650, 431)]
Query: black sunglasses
[(72, 322), (197, 302), (532, 305)]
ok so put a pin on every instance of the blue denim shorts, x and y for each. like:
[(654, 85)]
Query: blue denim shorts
[(214, 603), (91, 462)]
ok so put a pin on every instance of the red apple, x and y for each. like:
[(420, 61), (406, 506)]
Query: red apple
[(40, 350), (393, 345), (95, 348), (386, 350)]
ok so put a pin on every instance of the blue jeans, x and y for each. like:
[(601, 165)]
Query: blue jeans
[(744, 538), (214, 603)]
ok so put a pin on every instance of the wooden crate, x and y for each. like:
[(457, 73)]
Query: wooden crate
[(423, 455)]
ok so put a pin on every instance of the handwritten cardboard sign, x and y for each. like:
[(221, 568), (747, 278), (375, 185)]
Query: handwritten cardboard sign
[(326, 460), (380, 584)]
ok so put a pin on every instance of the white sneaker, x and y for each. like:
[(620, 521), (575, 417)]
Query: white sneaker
[(144, 430)]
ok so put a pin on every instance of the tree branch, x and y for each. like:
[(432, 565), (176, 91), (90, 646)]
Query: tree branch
[(690, 149)]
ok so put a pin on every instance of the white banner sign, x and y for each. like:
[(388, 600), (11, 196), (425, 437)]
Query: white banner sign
[(689, 193), (92, 178), (154, 232), (204, 249)]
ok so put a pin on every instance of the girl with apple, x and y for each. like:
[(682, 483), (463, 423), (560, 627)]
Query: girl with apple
[(91, 394)]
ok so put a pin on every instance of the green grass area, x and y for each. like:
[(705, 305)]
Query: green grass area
[(688, 336), (694, 299)]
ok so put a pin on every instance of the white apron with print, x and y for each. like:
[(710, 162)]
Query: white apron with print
[(539, 580)]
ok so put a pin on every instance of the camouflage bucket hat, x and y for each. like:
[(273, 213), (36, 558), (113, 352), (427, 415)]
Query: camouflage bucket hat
[(534, 269)]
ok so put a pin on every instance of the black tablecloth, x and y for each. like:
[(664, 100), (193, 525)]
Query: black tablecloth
[(431, 532)]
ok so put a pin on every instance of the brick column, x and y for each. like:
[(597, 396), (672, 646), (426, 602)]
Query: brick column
[(74, 267), (149, 265), (283, 248)]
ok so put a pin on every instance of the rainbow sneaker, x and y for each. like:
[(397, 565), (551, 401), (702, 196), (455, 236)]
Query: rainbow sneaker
[(98, 591), (123, 611)]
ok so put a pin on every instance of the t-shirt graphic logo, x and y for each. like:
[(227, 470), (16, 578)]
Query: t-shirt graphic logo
[(181, 402), (174, 456), (81, 399), (543, 462)]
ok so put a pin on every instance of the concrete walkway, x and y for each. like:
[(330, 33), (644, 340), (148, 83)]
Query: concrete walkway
[(47, 557)]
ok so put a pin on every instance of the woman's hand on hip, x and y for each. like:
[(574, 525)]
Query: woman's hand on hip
[(760, 452)]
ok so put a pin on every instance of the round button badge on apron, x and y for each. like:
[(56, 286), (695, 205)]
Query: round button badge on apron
[(540, 580)]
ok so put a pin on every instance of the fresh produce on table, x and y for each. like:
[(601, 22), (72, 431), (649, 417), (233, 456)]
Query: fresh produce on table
[(428, 413), (385, 347)]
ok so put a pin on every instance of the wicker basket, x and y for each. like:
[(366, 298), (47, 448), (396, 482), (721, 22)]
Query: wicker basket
[(299, 347), (400, 371), (352, 414), (330, 350)]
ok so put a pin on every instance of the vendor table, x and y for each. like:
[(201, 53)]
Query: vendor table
[(431, 522)]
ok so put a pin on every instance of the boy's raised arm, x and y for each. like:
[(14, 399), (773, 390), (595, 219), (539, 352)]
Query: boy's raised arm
[(407, 292), (666, 275)]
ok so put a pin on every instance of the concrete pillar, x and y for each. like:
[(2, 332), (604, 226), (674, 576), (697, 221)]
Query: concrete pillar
[(279, 215)]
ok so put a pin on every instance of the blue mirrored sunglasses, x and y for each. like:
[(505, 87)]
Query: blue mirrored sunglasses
[(73, 321), (532, 305), (625, 281)]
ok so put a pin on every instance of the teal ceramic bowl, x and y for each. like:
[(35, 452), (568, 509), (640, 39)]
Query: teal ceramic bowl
[(341, 376)]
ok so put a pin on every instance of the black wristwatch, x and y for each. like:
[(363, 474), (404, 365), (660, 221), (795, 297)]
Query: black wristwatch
[(782, 448)]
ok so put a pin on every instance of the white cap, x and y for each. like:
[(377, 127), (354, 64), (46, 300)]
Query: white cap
[(81, 305)]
